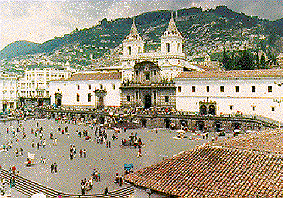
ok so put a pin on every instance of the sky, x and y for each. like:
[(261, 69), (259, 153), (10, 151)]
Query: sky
[(42, 20)]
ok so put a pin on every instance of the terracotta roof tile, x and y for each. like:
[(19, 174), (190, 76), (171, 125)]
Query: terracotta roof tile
[(215, 172), (232, 74)]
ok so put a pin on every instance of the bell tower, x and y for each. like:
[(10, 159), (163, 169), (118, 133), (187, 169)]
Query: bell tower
[(133, 46), (133, 43), (172, 40)]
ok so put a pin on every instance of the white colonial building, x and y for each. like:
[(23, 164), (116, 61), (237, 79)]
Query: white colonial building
[(158, 79), (33, 86), (170, 59), (93, 89), (35, 82), (8, 92), (253, 92)]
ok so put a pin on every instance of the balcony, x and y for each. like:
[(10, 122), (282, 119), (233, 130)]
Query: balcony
[(161, 84)]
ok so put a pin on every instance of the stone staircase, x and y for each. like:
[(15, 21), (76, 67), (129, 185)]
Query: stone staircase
[(29, 188)]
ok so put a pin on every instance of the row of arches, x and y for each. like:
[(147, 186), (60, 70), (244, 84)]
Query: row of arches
[(207, 109)]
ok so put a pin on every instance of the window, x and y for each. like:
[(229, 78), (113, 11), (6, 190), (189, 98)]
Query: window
[(89, 86), (130, 50), (253, 88), (231, 107), (179, 89), (78, 98), (147, 76), (221, 88), (78, 87), (101, 86), (128, 98), (207, 88), (237, 88), (89, 97), (166, 98), (193, 89), (137, 95), (168, 47), (272, 108), (113, 86), (253, 108), (269, 88), (178, 47), (154, 72)]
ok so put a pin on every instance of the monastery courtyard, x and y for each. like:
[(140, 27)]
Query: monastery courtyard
[(107, 161)]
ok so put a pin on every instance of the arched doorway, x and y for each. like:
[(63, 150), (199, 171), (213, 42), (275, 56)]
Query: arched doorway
[(202, 110), (100, 94), (167, 123), (58, 99), (101, 120), (143, 121), (200, 125), (211, 110), (147, 101), (236, 125), (40, 102), (218, 126)]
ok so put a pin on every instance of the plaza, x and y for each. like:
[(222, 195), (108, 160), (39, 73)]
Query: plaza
[(159, 144)]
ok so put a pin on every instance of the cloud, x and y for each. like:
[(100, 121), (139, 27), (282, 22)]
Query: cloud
[(39, 21)]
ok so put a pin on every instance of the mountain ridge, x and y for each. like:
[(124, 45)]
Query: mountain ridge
[(151, 25)]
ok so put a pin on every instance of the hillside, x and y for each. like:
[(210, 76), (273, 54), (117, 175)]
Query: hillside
[(203, 31), (19, 48)]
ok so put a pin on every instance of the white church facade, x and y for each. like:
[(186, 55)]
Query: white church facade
[(256, 92)]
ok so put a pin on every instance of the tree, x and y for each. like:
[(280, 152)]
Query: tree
[(262, 62), (227, 61)]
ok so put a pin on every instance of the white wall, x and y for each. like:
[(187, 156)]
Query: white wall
[(69, 91), (245, 101)]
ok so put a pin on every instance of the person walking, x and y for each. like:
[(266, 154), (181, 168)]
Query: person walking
[(84, 152), (139, 153), (55, 168), (71, 156), (106, 191), (52, 168), (81, 153), (43, 143)]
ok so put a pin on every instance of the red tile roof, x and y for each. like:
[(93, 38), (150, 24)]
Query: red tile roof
[(271, 141), (232, 74), (215, 172), (96, 76)]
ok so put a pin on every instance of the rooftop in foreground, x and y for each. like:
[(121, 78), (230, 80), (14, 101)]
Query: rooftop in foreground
[(216, 171)]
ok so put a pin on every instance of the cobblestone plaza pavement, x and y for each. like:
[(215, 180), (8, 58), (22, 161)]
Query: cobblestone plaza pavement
[(107, 161)]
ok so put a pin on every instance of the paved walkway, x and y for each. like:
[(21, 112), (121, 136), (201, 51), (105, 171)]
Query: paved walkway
[(107, 161)]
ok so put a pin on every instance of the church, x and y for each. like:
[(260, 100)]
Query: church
[(146, 79), (166, 79)]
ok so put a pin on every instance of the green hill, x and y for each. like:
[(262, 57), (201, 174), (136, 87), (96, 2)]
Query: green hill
[(19, 48), (201, 30)]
